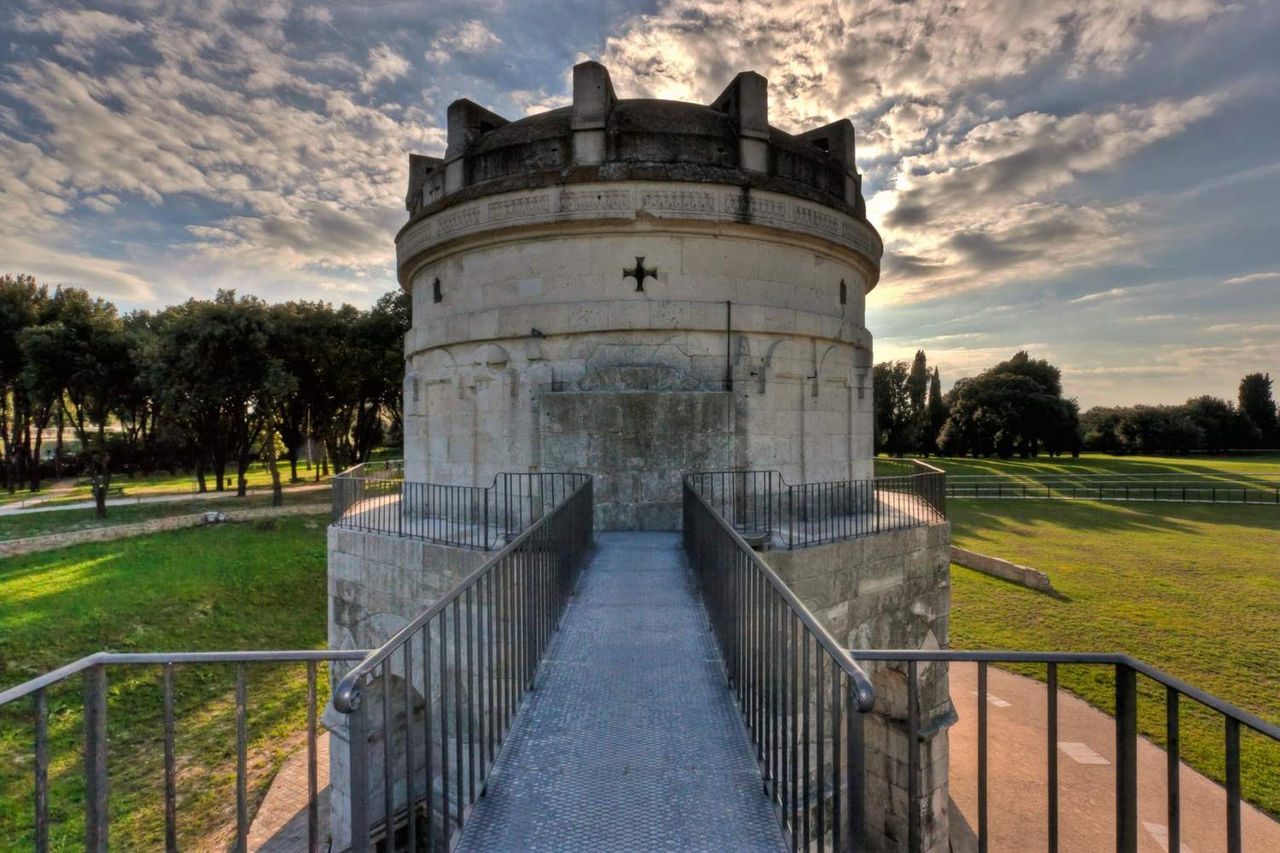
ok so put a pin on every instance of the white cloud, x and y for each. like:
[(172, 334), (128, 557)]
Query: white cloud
[(461, 39), (384, 64), (1251, 278)]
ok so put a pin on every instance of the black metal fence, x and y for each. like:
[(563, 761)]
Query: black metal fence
[(378, 499), (441, 694), (1126, 672), (801, 694), (1168, 492), (762, 504), (94, 672)]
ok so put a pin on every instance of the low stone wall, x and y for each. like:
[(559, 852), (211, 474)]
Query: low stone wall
[(1003, 569), (34, 544)]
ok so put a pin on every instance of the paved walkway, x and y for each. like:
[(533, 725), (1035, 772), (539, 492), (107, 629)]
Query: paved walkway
[(28, 507), (1017, 796), (630, 740)]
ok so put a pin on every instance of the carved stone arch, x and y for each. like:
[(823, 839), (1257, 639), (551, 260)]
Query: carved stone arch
[(493, 357), (782, 359), (835, 363)]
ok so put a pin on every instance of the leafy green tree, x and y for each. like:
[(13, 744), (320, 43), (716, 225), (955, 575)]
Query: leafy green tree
[(892, 403), (22, 305), (1015, 407), (84, 351), (935, 413), (1259, 406)]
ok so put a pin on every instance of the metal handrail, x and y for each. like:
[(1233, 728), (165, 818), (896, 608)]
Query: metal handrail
[(1242, 716), (62, 673), (1126, 737), (93, 668), (479, 517), (818, 512), (482, 644), (802, 715), (346, 696), (865, 690)]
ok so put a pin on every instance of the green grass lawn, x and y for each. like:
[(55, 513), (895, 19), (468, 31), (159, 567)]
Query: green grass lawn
[(22, 525), (1115, 468), (241, 586), (1192, 589)]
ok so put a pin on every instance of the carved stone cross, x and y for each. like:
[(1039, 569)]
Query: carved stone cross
[(639, 273)]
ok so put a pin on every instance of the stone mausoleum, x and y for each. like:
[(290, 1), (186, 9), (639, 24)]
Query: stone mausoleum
[(637, 289)]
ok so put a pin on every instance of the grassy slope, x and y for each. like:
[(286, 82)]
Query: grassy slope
[(38, 523), (214, 588), (1192, 589)]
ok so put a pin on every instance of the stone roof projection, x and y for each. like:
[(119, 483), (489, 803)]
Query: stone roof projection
[(604, 138)]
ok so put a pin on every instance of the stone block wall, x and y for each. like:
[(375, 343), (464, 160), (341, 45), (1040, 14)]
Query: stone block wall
[(638, 444), (891, 590)]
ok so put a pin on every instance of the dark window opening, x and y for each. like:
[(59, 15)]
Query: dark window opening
[(437, 295), (844, 293)]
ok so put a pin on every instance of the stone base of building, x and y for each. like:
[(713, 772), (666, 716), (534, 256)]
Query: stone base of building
[(377, 585), (890, 591)]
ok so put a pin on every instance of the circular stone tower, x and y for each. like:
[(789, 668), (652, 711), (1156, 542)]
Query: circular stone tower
[(637, 289)]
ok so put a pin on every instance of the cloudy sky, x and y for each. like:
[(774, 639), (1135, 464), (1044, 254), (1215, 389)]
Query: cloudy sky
[(1097, 181)]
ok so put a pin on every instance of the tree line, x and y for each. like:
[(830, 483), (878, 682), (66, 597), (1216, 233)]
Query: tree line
[(207, 385), (1016, 408)]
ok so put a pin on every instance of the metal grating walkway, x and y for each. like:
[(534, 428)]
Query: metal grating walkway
[(631, 740)]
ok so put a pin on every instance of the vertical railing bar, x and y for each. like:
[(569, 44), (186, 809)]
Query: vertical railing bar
[(472, 677), (1126, 759), (313, 810), (820, 680), (457, 708), (446, 817), (806, 800), (837, 701), (855, 721), (96, 819), (170, 762), (410, 798), (490, 639), (388, 781), (1173, 782), (40, 710), (358, 742), (1234, 840), (913, 757), (1051, 713), (429, 777), (242, 782)]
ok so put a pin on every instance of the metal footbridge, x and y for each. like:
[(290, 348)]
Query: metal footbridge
[(629, 740)]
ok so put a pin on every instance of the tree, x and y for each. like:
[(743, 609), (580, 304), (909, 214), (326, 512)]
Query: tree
[(220, 379), (23, 304), (84, 351), (892, 404), (1260, 407), (1014, 407), (935, 413)]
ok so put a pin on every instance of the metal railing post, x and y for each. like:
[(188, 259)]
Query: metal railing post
[(358, 759), (1234, 841), (1126, 759), (41, 711), (855, 834), (96, 819)]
